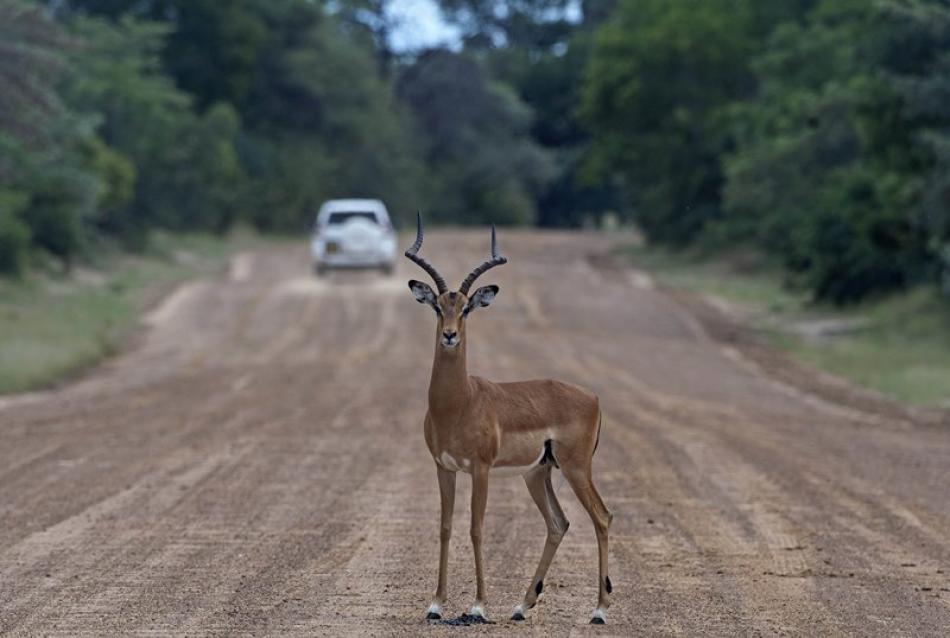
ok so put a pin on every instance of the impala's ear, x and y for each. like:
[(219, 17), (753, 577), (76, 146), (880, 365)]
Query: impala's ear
[(423, 293), (481, 298)]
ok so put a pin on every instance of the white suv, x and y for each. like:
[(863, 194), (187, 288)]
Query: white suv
[(353, 233)]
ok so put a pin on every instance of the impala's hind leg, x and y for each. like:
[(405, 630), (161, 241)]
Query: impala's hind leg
[(583, 486), (539, 484)]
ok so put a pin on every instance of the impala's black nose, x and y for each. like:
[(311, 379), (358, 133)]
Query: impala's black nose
[(449, 335)]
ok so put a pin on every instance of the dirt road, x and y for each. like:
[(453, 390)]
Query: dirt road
[(255, 466)]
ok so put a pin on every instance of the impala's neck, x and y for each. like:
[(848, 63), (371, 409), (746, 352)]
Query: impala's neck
[(449, 389)]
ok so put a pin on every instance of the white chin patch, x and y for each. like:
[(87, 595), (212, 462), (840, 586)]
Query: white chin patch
[(434, 608), (449, 344), (477, 610)]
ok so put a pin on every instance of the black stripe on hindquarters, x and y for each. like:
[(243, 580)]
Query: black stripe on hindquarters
[(548, 456), (600, 424)]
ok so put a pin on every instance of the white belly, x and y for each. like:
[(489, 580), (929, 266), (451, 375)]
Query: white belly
[(517, 470), (512, 470), (452, 464)]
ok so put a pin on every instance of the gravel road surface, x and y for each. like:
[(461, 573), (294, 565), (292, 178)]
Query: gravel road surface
[(255, 466)]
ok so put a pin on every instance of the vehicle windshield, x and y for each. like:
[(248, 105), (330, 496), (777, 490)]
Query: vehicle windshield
[(344, 216)]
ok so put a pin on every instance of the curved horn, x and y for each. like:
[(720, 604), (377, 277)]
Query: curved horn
[(426, 266), (496, 260)]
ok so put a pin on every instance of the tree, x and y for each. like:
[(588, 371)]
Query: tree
[(539, 48), (915, 51), (210, 48), (29, 107), (488, 24), (833, 155), (46, 190), (31, 59), (321, 123), (549, 83), (374, 19), (659, 75), (183, 165), (485, 167)]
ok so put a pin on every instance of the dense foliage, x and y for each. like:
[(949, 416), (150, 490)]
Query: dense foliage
[(815, 130), (124, 116), (483, 165), (821, 138)]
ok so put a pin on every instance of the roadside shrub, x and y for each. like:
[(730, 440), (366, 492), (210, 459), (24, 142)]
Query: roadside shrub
[(14, 243), (117, 175), (61, 200)]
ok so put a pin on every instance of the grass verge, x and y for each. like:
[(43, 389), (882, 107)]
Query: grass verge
[(898, 346), (51, 327)]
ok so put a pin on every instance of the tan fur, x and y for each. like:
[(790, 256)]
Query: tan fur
[(478, 425)]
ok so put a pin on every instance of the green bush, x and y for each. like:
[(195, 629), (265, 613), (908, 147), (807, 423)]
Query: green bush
[(54, 224), (14, 243), (116, 175), (837, 161)]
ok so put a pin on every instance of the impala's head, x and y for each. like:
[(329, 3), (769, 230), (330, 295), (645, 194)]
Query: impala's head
[(452, 308)]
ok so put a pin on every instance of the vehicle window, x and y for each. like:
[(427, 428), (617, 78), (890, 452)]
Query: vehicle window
[(344, 216)]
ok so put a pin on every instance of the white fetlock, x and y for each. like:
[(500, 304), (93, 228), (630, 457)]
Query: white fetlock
[(478, 611), (518, 613), (599, 617), (435, 609)]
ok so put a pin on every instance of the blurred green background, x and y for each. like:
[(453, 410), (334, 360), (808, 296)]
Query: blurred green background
[(816, 130), (814, 133)]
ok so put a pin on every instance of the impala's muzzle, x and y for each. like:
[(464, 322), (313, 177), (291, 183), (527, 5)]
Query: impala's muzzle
[(450, 338)]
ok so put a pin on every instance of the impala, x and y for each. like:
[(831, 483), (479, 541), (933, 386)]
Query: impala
[(479, 427)]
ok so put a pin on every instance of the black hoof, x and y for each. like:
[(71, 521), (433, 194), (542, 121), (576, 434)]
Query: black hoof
[(517, 616), (597, 620), (433, 616)]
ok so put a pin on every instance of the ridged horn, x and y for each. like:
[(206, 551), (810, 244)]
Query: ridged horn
[(496, 260), (422, 263)]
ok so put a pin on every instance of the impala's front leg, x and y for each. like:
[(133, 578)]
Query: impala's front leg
[(479, 501), (447, 493)]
